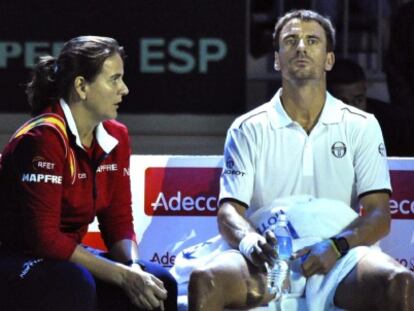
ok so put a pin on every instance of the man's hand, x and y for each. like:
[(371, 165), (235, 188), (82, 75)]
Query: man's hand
[(258, 249), (143, 289), (317, 259)]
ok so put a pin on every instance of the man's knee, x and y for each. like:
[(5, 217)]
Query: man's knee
[(249, 291), (257, 293), (202, 280), (400, 288)]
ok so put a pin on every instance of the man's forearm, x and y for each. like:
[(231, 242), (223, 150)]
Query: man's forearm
[(373, 225), (233, 226)]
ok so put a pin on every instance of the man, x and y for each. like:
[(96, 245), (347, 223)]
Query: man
[(347, 82), (303, 142)]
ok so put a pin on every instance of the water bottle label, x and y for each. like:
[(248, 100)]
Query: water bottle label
[(284, 247)]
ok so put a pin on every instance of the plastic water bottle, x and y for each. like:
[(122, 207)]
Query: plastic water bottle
[(278, 281)]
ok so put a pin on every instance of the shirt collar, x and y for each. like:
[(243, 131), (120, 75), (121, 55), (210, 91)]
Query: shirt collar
[(331, 112), (278, 114), (106, 141)]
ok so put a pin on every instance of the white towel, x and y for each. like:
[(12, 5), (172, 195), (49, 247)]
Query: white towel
[(310, 220)]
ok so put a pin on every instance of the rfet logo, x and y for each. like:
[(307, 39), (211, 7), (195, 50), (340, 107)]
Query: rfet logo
[(402, 199), (181, 191)]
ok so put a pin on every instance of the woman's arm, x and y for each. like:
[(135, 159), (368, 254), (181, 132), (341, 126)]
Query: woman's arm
[(143, 289)]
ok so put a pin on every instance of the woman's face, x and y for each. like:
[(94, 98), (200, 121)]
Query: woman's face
[(105, 93)]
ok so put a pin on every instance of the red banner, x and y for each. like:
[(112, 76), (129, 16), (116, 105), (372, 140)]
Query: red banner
[(402, 199), (181, 191)]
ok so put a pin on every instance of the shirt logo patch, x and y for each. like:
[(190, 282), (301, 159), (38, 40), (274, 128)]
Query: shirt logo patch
[(41, 163), (381, 150), (107, 168), (82, 176), (42, 178), (229, 169), (338, 149)]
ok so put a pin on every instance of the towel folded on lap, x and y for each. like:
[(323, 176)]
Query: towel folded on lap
[(310, 221)]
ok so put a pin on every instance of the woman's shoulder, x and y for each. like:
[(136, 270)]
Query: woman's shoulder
[(38, 133)]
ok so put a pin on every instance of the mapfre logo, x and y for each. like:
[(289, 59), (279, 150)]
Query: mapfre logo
[(181, 191), (402, 199)]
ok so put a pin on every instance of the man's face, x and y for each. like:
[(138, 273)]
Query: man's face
[(353, 94), (302, 54), (105, 93)]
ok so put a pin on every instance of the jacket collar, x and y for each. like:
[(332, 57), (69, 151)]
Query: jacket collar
[(106, 141)]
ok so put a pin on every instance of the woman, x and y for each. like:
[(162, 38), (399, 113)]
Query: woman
[(62, 168)]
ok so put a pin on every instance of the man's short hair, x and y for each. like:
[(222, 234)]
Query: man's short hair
[(307, 16), (345, 71)]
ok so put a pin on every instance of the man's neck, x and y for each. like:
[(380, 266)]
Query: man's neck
[(304, 103)]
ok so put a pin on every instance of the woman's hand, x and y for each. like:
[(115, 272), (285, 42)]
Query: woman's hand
[(143, 289)]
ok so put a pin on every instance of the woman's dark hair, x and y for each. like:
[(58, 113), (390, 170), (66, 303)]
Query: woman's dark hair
[(307, 16), (52, 78)]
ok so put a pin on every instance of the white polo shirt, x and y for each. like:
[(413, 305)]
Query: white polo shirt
[(269, 156)]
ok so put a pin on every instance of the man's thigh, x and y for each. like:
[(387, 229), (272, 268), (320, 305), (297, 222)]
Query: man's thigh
[(243, 285), (363, 287)]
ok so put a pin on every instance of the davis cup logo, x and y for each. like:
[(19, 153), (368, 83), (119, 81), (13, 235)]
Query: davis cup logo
[(181, 191)]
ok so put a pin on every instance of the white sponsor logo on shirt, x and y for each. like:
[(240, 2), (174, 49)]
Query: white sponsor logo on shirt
[(46, 165), (82, 176), (37, 178), (41, 163), (107, 168)]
